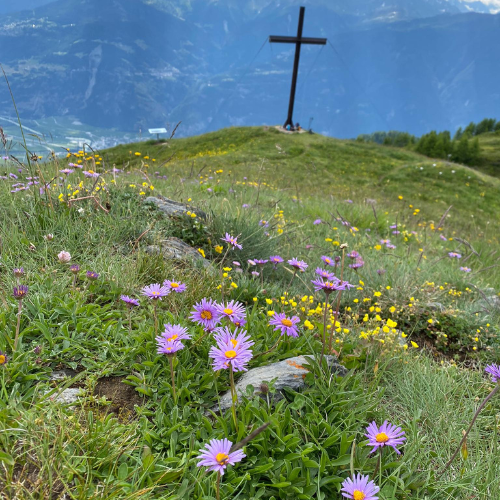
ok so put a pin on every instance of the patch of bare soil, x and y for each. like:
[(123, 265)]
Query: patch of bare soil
[(123, 397)]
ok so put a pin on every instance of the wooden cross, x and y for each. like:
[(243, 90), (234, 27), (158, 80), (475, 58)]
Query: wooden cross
[(298, 41)]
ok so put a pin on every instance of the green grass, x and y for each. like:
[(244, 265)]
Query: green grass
[(305, 164), (102, 449), (490, 153)]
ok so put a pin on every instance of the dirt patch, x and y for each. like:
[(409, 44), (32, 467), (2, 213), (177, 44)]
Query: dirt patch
[(123, 397)]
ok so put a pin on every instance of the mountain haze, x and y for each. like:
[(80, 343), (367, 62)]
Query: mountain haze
[(132, 64)]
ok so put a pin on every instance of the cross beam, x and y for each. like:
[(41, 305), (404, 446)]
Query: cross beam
[(298, 41)]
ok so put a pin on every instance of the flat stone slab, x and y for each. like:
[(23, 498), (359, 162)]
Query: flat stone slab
[(289, 373), (175, 249), (173, 208), (67, 397)]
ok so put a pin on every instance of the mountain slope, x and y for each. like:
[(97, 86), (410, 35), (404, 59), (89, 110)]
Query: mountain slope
[(306, 164), (133, 65)]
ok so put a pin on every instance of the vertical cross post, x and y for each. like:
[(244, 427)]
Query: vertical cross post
[(298, 41), (289, 120)]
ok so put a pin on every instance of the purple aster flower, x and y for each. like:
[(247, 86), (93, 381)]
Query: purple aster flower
[(90, 173), (234, 353), (353, 255), (18, 272), (361, 488), (328, 260), (217, 455), (167, 347), (238, 338), (74, 268), (494, 371), (385, 435), (261, 262), (286, 325), (174, 333), (155, 291), (394, 226), (334, 285), (129, 301), (390, 246), (20, 292), (245, 205), (236, 263), (348, 201), (66, 171), (91, 275), (263, 223), (232, 241), (299, 265), (466, 269), (357, 264), (325, 274), (13, 176), (381, 271), (396, 232), (385, 242), (255, 273), (251, 262), (206, 314), (234, 311), (443, 237), (454, 255), (317, 221), (275, 259), (175, 286), (3, 358)]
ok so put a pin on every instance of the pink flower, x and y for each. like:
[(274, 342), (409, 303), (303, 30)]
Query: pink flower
[(64, 257)]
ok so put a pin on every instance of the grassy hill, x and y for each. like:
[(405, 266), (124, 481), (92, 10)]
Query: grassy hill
[(490, 153), (305, 164), (415, 329)]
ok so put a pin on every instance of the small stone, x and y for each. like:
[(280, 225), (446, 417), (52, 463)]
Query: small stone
[(175, 249), (173, 208), (289, 373), (62, 374), (67, 397)]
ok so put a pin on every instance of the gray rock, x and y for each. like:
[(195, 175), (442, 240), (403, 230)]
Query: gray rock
[(67, 397), (289, 373), (435, 305), (175, 249), (59, 375), (173, 208)]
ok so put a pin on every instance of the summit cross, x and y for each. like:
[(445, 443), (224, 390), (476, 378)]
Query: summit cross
[(298, 41)]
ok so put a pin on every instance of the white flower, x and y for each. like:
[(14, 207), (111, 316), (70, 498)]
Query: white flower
[(64, 257), (81, 211)]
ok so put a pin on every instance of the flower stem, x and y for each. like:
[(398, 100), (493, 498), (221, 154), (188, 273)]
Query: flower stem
[(290, 284), (481, 406), (234, 396), (19, 310), (129, 320), (156, 317), (172, 376), (324, 331), (337, 309), (217, 492), (270, 350)]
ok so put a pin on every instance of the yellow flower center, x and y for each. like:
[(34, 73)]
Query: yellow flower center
[(221, 458), (382, 437), (230, 354), (174, 285), (358, 495), (233, 342), (286, 322), (206, 315), (155, 293), (327, 261), (228, 311), (173, 337), (3, 359)]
